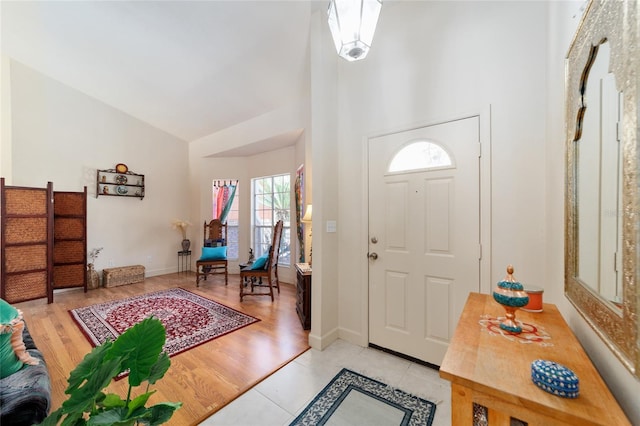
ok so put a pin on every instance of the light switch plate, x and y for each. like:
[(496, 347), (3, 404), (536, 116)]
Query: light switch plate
[(331, 226)]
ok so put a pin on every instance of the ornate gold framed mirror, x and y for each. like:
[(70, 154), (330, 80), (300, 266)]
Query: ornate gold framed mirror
[(602, 212)]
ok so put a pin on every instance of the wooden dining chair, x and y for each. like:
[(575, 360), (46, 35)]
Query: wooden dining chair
[(214, 252), (263, 273)]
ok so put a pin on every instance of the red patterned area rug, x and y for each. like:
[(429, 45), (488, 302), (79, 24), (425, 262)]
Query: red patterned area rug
[(190, 320)]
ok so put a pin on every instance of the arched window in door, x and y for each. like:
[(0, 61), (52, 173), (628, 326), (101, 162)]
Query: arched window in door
[(420, 155)]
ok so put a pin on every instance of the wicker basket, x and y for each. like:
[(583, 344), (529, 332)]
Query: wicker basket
[(113, 277)]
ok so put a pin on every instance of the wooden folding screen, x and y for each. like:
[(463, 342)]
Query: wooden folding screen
[(27, 243), (70, 239), (43, 240)]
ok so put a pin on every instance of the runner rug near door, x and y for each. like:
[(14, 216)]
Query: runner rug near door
[(190, 319), (353, 399)]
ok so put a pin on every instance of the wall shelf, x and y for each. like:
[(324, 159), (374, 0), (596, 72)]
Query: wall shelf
[(112, 183)]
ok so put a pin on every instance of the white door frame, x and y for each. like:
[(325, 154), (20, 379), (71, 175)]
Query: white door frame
[(484, 115)]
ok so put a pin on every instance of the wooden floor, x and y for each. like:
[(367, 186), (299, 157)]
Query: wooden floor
[(204, 378)]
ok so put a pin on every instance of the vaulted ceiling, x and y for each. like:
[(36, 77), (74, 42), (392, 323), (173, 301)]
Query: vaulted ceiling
[(190, 68)]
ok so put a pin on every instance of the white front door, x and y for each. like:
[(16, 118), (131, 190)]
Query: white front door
[(424, 227)]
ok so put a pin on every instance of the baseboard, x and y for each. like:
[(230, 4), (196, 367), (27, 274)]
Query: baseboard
[(156, 272), (321, 343), (352, 337)]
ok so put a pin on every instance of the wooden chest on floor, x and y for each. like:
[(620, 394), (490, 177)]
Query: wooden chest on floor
[(113, 277)]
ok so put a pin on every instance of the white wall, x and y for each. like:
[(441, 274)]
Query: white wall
[(441, 60), (5, 119), (326, 194), (64, 136)]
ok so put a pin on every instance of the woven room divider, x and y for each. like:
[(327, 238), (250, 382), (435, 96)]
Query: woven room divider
[(27, 243), (30, 246), (70, 239)]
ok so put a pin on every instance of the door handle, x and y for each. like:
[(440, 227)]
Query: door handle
[(373, 256)]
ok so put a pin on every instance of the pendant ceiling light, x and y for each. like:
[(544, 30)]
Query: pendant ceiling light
[(352, 24)]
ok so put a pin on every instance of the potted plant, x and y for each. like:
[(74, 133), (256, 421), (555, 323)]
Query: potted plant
[(182, 225), (93, 279), (137, 351)]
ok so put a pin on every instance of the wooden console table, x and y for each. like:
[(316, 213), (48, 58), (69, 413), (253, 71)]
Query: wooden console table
[(303, 294), (495, 372)]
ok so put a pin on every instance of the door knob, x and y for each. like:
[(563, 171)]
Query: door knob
[(373, 256), (374, 240)]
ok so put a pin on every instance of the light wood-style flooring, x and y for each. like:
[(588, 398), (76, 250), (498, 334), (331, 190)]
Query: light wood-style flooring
[(204, 378)]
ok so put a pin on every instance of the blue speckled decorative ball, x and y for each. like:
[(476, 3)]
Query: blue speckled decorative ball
[(555, 378)]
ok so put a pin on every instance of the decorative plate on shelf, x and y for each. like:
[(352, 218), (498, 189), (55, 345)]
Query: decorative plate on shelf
[(122, 190), (121, 168), (121, 179)]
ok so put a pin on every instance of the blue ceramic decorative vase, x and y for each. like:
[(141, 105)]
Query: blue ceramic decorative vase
[(510, 294)]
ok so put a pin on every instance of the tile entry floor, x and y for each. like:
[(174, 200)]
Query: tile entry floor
[(282, 396)]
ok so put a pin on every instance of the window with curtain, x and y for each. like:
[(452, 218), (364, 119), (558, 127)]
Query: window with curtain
[(226, 204), (271, 202)]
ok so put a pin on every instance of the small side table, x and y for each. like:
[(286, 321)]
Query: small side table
[(184, 260)]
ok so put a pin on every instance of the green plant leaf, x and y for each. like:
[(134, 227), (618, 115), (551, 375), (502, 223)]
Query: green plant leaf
[(137, 350), (83, 398), (139, 401), (142, 344), (113, 400), (121, 417), (100, 397), (74, 419), (115, 416), (141, 414), (53, 418), (161, 413), (159, 369), (85, 369)]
